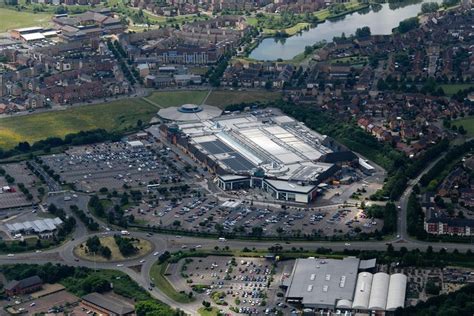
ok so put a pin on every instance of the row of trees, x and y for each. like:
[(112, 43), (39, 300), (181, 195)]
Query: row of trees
[(453, 154), (389, 215), (80, 138), (87, 220)]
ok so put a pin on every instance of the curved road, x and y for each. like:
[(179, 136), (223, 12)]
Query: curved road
[(64, 254)]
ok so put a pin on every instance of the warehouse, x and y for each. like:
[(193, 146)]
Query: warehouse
[(317, 283), (277, 154), (344, 285), (44, 228)]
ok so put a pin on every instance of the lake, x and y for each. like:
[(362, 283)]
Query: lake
[(380, 22)]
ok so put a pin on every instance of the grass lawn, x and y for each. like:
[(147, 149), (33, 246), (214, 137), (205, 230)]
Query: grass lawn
[(450, 89), (467, 123), (113, 116), (144, 247), (204, 312), (220, 98), (11, 19), (290, 31), (157, 274), (176, 98)]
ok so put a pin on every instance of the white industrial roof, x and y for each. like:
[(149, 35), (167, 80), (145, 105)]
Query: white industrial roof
[(292, 187), (28, 29), (396, 291), (32, 36), (135, 143), (365, 164), (38, 226), (362, 291), (345, 304), (319, 282), (378, 295), (292, 148)]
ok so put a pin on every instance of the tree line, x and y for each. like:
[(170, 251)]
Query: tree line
[(74, 139)]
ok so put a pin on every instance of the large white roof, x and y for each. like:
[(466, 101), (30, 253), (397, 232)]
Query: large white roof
[(362, 291), (396, 291), (379, 292)]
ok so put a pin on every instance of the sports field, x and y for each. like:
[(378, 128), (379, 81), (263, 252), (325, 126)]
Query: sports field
[(10, 19), (220, 98), (112, 116)]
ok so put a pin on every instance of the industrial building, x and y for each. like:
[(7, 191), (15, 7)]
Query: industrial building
[(344, 284), (277, 154), (44, 228)]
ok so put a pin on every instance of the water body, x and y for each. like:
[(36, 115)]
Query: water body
[(380, 21)]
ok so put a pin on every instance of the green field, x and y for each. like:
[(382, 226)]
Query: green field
[(467, 123), (220, 98), (112, 116), (10, 19), (450, 89), (176, 98)]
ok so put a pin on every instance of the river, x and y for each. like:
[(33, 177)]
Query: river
[(381, 21)]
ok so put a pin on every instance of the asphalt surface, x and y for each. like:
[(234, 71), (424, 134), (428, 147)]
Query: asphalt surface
[(64, 254)]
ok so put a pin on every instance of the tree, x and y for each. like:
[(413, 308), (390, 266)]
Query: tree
[(363, 32), (152, 308), (429, 7)]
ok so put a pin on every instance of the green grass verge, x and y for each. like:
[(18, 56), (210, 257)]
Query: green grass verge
[(11, 19), (205, 312), (118, 115), (467, 123), (290, 30), (157, 274)]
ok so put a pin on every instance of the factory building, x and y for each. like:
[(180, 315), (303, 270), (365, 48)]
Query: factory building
[(344, 285)]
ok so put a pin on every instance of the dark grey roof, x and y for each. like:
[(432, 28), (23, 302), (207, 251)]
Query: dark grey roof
[(108, 303), (33, 280)]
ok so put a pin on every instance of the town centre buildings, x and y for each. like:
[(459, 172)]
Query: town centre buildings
[(275, 153)]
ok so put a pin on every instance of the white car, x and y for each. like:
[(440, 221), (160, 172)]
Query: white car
[(10, 255), (119, 265), (142, 261), (156, 253), (347, 244), (38, 251)]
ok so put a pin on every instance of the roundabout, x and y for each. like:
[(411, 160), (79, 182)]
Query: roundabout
[(134, 248)]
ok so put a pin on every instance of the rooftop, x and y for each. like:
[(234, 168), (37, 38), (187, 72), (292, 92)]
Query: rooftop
[(322, 282), (108, 303)]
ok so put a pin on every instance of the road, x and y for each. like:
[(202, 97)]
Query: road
[(64, 254), (53, 186)]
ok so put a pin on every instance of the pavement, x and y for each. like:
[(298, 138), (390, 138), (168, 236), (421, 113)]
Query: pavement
[(64, 254)]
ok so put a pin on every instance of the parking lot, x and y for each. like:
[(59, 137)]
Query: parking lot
[(212, 215), (52, 303), (248, 285), (14, 198), (114, 165)]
